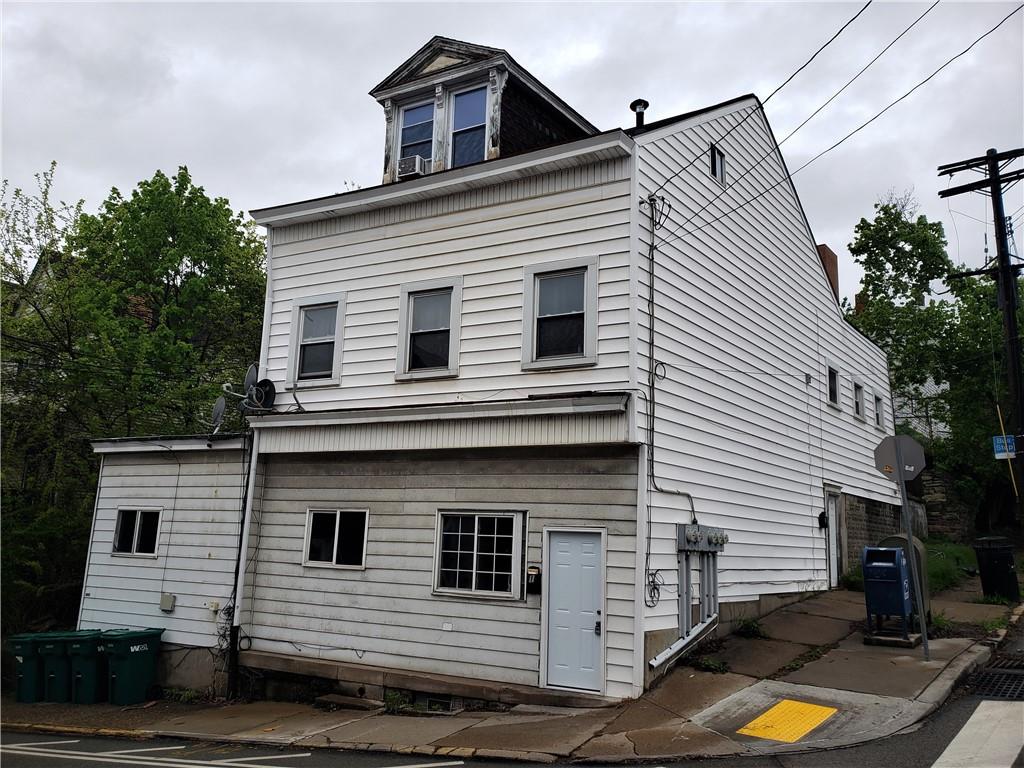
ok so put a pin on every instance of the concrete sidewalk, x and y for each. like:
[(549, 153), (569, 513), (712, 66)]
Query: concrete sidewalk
[(810, 683)]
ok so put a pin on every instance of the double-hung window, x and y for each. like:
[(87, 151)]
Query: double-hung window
[(136, 532), (560, 308), (469, 127), (858, 401), (429, 320), (336, 537), (417, 133), (480, 553), (879, 413), (316, 340), (717, 164)]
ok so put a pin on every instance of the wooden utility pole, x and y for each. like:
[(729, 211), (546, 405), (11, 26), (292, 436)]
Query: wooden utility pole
[(1004, 273)]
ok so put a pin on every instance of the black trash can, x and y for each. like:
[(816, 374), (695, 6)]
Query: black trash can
[(998, 571)]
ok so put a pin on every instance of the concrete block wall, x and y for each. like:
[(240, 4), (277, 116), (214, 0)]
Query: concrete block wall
[(866, 522)]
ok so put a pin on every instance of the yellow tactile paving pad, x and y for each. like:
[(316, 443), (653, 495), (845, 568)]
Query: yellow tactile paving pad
[(788, 721)]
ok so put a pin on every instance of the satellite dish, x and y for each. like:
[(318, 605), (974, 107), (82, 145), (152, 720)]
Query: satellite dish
[(218, 412), (263, 393), (250, 378)]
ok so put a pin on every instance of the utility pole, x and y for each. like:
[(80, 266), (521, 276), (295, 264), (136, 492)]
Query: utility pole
[(1005, 275)]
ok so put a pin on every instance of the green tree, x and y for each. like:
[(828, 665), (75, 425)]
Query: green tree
[(123, 322), (955, 342)]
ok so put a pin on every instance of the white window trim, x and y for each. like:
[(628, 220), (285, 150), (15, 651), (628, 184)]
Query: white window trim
[(402, 372), (292, 380), (117, 524), (530, 275), (449, 132), (337, 532), (839, 385), (518, 526), (878, 414), (433, 136), (863, 415), (719, 156)]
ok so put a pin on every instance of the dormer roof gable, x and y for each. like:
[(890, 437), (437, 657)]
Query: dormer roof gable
[(438, 55)]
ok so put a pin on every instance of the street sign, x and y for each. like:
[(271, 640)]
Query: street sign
[(911, 452), (1004, 446)]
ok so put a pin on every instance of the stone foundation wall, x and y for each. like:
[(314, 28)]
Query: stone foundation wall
[(866, 522), (947, 516)]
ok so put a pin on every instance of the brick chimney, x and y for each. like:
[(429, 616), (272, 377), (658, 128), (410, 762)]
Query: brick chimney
[(830, 262)]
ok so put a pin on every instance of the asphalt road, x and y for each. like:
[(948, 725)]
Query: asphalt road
[(917, 749)]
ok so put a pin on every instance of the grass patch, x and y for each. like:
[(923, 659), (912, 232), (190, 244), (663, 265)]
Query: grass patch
[(750, 628), (941, 622), (992, 600), (993, 624), (946, 562), (804, 658), (853, 579), (710, 664)]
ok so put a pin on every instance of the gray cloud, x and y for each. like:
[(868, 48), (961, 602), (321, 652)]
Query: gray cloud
[(266, 103)]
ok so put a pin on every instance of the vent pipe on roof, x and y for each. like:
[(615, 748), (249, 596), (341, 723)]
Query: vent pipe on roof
[(639, 106)]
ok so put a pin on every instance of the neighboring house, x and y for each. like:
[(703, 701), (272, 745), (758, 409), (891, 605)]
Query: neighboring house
[(471, 469), (917, 411)]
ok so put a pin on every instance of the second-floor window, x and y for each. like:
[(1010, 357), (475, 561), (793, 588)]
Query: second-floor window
[(315, 350), (418, 131), (879, 413), (428, 343), (316, 345), (833, 385), (469, 126), (717, 164), (560, 323), (858, 400)]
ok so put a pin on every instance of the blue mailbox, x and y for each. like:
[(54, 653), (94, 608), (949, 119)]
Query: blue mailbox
[(886, 585)]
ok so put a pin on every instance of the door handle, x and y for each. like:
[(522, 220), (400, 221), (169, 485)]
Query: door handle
[(597, 627)]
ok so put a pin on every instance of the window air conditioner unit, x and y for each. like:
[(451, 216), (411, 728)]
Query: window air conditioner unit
[(411, 167)]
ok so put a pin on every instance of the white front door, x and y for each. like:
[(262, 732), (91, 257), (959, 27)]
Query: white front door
[(832, 537), (574, 617)]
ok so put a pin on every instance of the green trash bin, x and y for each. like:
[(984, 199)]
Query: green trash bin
[(28, 667), (52, 646), (131, 659), (88, 666)]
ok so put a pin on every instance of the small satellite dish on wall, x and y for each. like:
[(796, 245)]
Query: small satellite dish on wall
[(218, 413), (250, 379), (263, 394)]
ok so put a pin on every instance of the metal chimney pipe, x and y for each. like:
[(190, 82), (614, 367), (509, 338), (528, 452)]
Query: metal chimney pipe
[(639, 106)]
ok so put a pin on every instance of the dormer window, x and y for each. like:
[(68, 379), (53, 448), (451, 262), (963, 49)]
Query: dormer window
[(469, 126), (418, 131)]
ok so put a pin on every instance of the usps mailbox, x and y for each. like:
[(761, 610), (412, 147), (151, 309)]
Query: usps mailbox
[(886, 586)]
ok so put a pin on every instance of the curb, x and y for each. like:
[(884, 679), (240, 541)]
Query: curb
[(143, 735)]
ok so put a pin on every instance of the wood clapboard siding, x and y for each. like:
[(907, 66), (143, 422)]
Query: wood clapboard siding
[(486, 236), (387, 614), (744, 312), (197, 543)]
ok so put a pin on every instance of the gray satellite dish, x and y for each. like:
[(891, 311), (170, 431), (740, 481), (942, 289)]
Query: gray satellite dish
[(218, 412), (263, 393), (250, 379)]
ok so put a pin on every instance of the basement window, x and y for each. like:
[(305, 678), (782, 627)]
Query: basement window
[(136, 532), (336, 537), (479, 553)]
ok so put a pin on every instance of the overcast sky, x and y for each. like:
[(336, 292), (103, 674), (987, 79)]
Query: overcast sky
[(266, 103)]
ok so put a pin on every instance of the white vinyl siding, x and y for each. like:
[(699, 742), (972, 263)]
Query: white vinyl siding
[(389, 615), (488, 237), (744, 315), (195, 556)]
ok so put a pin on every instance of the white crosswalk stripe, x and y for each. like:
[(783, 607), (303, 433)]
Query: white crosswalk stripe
[(992, 738)]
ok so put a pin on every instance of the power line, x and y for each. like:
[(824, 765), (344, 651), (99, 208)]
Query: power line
[(828, 101), (865, 124), (786, 82)]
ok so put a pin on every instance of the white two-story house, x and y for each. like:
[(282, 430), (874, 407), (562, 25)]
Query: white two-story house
[(504, 378)]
